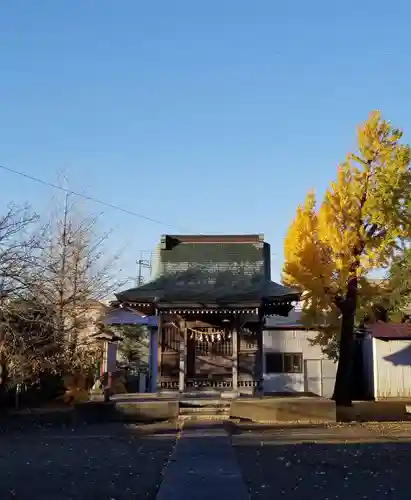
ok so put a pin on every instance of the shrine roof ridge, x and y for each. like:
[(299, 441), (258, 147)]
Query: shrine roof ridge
[(214, 238)]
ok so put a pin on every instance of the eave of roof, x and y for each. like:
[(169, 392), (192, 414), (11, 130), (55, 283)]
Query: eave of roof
[(390, 331), (171, 289)]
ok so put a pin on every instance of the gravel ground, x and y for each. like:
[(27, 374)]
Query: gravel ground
[(114, 461), (335, 462), (94, 462)]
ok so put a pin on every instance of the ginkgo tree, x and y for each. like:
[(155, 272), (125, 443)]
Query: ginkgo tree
[(398, 301), (330, 249)]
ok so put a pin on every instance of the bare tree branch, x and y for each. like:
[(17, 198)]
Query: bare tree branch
[(74, 276), (52, 282)]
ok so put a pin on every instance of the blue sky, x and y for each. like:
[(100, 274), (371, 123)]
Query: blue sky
[(214, 116)]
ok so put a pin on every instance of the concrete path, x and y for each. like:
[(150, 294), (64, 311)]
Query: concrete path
[(203, 466)]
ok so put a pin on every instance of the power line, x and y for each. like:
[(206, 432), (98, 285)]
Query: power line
[(89, 198)]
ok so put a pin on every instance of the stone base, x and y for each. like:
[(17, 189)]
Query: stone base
[(229, 395), (284, 409), (127, 411), (375, 411)]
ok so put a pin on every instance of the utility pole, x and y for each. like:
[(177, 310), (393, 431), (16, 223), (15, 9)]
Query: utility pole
[(143, 264)]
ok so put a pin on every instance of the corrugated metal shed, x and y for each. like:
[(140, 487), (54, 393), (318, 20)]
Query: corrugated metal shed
[(392, 368), (387, 360)]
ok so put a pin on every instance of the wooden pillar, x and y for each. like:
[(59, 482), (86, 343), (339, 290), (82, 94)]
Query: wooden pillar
[(159, 350), (153, 360), (183, 355), (259, 375), (235, 333)]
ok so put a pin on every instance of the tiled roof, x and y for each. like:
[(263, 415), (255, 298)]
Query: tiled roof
[(122, 316), (292, 321), (208, 269), (197, 286), (390, 330)]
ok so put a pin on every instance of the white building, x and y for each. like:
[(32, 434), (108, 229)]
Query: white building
[(387, 360), (291, 363)]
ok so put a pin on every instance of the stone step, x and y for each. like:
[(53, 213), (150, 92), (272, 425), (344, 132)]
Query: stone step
[(203, 417), (204, 403), (204, 393), (204, 410)]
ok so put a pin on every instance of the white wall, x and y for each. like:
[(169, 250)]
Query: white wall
[(318, 373), (392, 368), (328, 372), (368, 363)]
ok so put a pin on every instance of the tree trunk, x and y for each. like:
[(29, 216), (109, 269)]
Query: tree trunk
[(3, 368), (342, 389), (3, 382), (343, 382)]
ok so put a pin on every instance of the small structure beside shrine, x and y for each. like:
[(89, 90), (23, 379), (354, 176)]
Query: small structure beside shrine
[(211, 295), (386, 351)]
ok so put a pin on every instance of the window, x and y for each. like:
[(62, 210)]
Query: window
[(283, 362)]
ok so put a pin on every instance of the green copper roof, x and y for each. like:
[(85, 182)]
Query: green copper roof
[(199, 286), (211, 271)]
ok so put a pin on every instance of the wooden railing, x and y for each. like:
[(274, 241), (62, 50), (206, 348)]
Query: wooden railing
[(200, 383), (171, 385), (203, 383), (250, 383)]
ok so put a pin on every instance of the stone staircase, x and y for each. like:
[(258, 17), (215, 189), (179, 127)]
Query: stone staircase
[(204, 409)]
